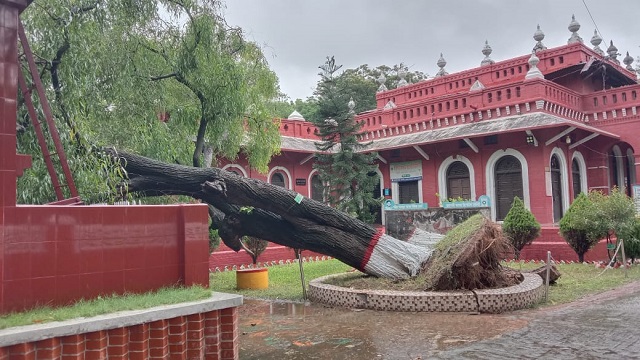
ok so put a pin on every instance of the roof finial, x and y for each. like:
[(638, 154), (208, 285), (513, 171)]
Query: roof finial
[(596, 40), (295, 115), (487, 51), (612, 50), (381, 80), (441, 64), (574, 26), (538, 36), (401, 74), (352, 105), (534, 72), (628, 60), (638, 68)]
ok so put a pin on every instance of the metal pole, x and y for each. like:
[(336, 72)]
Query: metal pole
[(624, 258), (304, 289), (546, 281)]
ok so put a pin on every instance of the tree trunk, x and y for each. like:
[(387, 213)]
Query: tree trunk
[(243, 206)]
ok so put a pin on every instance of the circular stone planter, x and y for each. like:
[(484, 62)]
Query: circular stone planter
[(252, 278), (528, 292)]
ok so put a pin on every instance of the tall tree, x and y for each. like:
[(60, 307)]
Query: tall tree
[(349, 175), (114, 66)]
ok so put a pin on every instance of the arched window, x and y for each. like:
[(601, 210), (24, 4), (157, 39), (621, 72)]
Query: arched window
[(577, 178), (508, 184), (316, 188), (556, 188), (458, 181), (278, 180)]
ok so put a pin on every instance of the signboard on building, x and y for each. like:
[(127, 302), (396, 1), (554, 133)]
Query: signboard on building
[(301, 182), (406, 171), (390, 205), (483, 201), (636, 197)]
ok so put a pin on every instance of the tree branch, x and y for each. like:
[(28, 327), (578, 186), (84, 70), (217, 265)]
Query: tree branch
[(161, 77)]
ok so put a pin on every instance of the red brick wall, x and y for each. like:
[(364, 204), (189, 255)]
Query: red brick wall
[(210, 335), (57, 254)]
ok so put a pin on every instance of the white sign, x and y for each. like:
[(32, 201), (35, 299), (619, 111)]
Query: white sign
[(406, 171), (636, 197)]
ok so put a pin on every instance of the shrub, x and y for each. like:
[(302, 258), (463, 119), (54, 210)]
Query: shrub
[(520, 226), (582, 226), (631, 240), (254, 247)]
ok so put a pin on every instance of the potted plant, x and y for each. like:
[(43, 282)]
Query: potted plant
[(255, 278)]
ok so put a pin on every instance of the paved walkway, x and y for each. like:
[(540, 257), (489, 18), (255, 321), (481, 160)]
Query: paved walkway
[(605, 326)]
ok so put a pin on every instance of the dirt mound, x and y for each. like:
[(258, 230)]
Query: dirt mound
[(469, 258)]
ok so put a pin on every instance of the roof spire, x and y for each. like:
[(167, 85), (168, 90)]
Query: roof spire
[(401, 74), (534, 72), (612, 50), (487, 51), (628, 60), (381, 80), (538, 36), (596, 40), (574, 26), (441, 64)]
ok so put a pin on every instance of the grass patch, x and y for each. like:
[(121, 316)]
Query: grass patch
[(580, 280), (105, 305), (284, 280)]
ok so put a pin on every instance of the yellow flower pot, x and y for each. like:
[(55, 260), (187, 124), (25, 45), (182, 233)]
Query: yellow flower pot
[(252, 278)]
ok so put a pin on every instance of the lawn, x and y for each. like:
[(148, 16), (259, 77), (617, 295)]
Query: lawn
[(577, 280), (105, 305)]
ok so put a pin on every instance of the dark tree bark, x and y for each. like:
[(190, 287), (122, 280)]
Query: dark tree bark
[(243, 206)]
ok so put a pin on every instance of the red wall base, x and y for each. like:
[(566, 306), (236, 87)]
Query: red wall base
[(550, 240), (224, 256), (209, 335)]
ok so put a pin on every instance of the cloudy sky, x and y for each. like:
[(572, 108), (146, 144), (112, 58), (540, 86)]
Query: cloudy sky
[(297, 35)]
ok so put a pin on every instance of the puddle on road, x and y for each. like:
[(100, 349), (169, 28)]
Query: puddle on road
[(275, 330)]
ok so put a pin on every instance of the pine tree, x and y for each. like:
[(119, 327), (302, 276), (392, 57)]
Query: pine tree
[(349, 175), (520, 226)]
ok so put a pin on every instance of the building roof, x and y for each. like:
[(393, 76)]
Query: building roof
[(508, 124)]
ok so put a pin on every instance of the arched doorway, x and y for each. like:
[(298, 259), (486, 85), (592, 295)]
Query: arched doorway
[(377, 193), (317, 188), (556, 188), (508, 184), (278, 180), (577, 178), (458, 181)]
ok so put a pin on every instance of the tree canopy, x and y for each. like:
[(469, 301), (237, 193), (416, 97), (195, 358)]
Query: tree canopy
[(115, 67)]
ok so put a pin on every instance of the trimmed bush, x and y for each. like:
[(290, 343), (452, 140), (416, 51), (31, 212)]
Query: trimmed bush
[(582, 226), (631, 240), (520, 226)]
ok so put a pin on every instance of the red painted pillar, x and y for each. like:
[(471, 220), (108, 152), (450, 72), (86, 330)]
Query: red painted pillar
[(9, 11)]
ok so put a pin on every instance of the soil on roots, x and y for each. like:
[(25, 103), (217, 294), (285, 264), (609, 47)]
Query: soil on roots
[(469, 258)]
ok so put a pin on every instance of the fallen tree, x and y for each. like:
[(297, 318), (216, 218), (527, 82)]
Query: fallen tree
[(242, 206)]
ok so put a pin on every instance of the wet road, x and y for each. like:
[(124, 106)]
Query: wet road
[(606, 326)]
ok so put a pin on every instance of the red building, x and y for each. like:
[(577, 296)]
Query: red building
[(544, 126)]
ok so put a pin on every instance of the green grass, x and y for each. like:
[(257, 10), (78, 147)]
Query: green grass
[(284, 280), (105, 305), (580, 280)]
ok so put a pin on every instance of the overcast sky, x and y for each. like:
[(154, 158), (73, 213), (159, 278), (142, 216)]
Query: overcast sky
[(297, 35)]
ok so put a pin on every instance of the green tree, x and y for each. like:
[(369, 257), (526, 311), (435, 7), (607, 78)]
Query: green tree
[(617, 212), (254, 247), (520, 226), (581, 225), (113, 66), (345, 171), (631, 240)]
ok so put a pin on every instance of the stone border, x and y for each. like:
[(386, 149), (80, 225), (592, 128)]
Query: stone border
[(32, 333), (528, 292)]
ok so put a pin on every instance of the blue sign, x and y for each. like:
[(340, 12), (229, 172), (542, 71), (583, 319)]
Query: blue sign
[(391, 205), (483, 201)]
